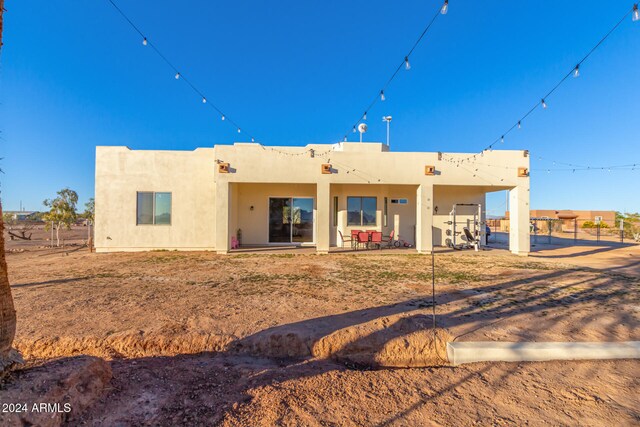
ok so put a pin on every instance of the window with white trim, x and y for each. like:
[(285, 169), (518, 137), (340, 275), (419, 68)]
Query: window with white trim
[(399, 201), (153, 208), (362, 211)]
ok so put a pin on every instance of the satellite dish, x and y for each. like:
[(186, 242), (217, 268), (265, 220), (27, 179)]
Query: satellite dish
[(362, 127)]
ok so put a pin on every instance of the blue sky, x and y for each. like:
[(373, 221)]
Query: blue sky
[(74, 75)]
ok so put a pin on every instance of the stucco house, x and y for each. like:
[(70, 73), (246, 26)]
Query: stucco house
[(206, 198)]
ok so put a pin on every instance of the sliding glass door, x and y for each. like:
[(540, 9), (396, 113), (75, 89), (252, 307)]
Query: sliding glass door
[(290, 220)]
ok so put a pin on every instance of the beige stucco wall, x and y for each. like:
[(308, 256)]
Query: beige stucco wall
[(188, 175), (402, 216), (209, 207), (255, 223)]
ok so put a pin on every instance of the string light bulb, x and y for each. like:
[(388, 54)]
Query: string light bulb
[(365, 116), (445, 7), (519, 125), (544, 104), (239, 130), (382, 97), (223, 118), (407, 65), (635, 15), (177, 76), (502, 139), (354, 129), (204, 100), (144, 41), (576, 71)]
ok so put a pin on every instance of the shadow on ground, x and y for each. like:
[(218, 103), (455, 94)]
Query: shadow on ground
[(305, 373)]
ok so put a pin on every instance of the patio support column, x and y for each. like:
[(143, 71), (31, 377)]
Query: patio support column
[(519, 242), (222, 217), (323, 217), (424, 218)]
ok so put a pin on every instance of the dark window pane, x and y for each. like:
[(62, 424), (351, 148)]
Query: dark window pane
[(354, 210), (163, 208), (279, 220), (385, 213), (145, 208), (369, 210)]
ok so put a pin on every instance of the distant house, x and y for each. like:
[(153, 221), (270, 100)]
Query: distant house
[(313, 196), (22, 215), (606, 217)]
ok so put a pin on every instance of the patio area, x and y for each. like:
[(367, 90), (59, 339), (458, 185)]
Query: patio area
[(298, 250)]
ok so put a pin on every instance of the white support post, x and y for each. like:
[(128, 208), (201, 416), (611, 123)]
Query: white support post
[(222, 217), (323, 217), (519, 242), (424, 218)]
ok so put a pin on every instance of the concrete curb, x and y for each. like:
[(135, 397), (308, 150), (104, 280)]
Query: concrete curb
[(489, 351)]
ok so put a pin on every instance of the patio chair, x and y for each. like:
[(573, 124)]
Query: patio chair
[(376, 239), (389, 239), (363, 239), (471, 241), (351, 241)]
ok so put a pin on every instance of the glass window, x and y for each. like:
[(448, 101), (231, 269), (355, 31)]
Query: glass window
[(354, 210), (335, 211), (361, 211), (399, 201), (385, 212), (369, 210), (153, 208), (163, 209), (145, 208)]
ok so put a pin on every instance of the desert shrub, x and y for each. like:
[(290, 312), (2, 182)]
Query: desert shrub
[(592, 224)]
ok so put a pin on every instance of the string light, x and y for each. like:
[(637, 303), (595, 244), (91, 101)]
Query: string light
[(364, 117), (379, 96), (574, 70), (178, 75), (568, 166), (445, 7)]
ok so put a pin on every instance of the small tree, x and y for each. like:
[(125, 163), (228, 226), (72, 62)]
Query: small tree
[(62, 211), (8, 219), (89, 214), (89, 210), (630, 221)]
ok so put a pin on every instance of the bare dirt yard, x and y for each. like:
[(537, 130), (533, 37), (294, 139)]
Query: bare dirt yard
[(304, 339)]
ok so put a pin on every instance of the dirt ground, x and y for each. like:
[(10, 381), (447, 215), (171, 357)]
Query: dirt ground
[(277, 339)]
